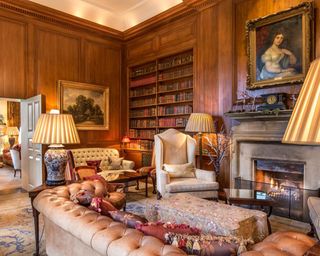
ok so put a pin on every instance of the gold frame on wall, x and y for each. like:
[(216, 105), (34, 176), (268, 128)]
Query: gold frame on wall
[(98, 93), (256, 28)]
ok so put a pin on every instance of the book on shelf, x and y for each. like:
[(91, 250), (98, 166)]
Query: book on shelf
[(184, 84), (146, 112), (141, 144), (171, 110), (180, 59), (172, 98), (185, 71), (144, 123), (143, 70), (143, 102), (143, 81), (136, 92), (144, 134), (173, 122)]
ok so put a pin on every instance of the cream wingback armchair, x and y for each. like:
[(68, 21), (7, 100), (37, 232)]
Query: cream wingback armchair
[(174, 149)]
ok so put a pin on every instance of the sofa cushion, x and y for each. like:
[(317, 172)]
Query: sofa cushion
[(180, 170), (115, 163), (188, 184), (94, 163)]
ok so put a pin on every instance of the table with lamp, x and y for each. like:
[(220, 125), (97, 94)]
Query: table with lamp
[(12, 132), (55, 130)]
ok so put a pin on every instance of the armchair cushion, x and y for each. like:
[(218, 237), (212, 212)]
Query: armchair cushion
[(205, 175), (179, 185), (180, 170)]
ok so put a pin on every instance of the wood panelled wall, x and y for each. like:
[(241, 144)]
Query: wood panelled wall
[(37, 52)]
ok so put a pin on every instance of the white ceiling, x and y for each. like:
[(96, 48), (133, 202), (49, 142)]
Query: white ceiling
[(117, 14)]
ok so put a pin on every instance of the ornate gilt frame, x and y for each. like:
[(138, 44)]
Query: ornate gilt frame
[(306, 10)]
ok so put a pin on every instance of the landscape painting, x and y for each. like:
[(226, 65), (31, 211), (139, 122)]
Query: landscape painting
[(87, 103)]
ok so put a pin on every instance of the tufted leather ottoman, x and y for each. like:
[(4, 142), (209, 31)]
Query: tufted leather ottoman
[(282, 244)]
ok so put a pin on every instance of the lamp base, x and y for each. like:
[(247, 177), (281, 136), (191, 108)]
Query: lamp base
[(55, 160)]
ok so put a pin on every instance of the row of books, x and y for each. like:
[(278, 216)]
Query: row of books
[(143, 70), (146, 112), (143, 102), (171, 98), (146, 134), (143, 81), (141, 144), (144, 123), (184, 84), (176, 73), (142, 91), (176, 61), (170, 110), (172, 122)]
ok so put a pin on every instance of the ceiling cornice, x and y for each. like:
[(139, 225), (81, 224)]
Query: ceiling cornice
[(186, 8), (40, 12)]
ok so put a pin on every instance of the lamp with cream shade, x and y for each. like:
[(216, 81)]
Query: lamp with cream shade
[(55, 129), (200, 123), (304, 124)]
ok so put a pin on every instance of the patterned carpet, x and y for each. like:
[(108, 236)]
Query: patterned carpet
[(17, 231)]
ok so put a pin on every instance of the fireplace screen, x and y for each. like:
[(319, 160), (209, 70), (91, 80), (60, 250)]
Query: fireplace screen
[(284, 182)]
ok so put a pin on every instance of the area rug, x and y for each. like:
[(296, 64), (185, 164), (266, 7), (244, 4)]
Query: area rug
[(16, 225)]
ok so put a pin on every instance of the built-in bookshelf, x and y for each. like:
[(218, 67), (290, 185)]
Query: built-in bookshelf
[(160, 97)]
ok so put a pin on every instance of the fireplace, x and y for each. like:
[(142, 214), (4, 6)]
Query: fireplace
[(289, 173)]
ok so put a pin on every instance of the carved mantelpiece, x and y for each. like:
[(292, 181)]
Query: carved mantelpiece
[(261, 139)]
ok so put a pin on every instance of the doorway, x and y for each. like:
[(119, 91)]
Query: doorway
[(10, 145)]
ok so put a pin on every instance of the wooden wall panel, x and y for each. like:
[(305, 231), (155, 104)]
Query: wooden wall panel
[(103, 66), (13, 57), (57, 58)]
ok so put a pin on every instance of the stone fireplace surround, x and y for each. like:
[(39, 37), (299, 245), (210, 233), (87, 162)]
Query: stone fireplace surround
[(261, 139)]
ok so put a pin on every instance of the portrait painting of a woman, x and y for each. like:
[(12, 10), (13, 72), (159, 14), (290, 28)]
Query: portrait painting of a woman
[(279, 49)]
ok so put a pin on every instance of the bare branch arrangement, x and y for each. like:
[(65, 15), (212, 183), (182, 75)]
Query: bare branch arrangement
[(218, 143)]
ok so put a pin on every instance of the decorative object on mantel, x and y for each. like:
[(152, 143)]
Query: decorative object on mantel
[(200, 123), (55, 129), (260, 115), (279, 47), (273, 101), (218, 145), (304, 124)]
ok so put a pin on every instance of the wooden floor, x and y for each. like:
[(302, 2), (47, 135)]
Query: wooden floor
[(9, 183)]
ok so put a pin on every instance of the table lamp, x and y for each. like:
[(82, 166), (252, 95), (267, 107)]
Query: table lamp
[(125, 140), (12, 132), (55, 129), (200, 123), (304, 124)]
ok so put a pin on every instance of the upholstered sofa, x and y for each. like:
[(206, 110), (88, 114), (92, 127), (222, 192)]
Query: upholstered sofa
[(79, 157), (72, 229), (314, 214)]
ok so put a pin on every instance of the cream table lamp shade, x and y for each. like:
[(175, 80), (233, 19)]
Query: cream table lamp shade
[(200, 122), (304, 124), (56, 129)]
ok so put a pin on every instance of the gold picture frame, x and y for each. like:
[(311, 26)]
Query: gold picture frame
[(87, 103), (279, 47)]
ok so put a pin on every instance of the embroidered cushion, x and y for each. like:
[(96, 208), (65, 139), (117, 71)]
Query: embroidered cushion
[(180, 170)]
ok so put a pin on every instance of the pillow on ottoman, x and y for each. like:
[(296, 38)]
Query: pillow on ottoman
[(127, 218), (83, 197), (102, 206)]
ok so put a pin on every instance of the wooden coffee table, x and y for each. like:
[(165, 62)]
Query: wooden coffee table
[(126, 177), (250, 197)]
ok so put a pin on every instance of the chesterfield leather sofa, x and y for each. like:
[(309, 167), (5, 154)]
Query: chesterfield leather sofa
[(72, 229)]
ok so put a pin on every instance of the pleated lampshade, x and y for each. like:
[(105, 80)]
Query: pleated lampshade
[(55, 129), (200, 122), (304, 124)]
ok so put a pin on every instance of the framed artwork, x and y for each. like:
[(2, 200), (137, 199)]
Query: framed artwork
[(279, 47), (87, 103)]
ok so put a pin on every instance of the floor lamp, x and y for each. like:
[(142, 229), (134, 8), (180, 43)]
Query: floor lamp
[(200, 123), (304, 124), (55, 130)]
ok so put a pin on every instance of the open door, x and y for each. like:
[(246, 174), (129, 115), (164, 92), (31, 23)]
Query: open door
[(31, 154)]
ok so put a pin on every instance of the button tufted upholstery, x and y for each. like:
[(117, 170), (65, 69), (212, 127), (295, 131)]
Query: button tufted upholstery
[(72, 229), (282, 244), (81, 155)]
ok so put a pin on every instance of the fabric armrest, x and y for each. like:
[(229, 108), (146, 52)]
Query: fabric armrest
[(127, 165), (164, 179), (205, 175)]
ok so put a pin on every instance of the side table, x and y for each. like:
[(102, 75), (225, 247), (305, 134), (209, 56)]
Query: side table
[(32, 194)]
